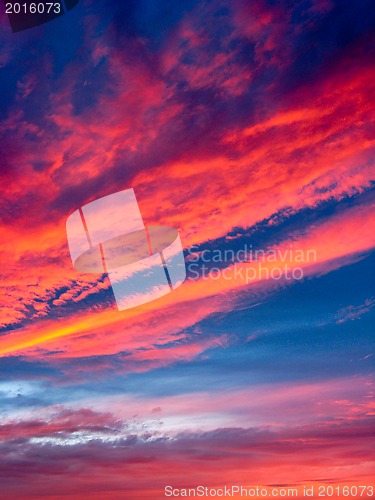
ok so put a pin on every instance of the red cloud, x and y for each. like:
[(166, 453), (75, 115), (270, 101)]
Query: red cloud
[(312, 147), (87, 451)]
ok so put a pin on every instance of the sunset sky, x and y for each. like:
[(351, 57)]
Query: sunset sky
[(243, 124)]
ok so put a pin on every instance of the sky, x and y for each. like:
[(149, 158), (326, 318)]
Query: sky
[(244, 125)]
